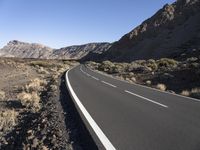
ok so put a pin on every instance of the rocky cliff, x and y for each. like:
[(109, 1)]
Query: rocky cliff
[(172, 30)]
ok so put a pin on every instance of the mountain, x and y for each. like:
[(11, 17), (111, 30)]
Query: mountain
[(79, 51), (172, 30), (25, 50), (28, 50)]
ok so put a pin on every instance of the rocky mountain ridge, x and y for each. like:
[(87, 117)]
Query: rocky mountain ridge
[(32, 50), (172, 30)]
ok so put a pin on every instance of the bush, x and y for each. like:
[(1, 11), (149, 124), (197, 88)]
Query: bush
[(30, 100), (40, 63), (2, 95), (192, 59), (167, 63), (35, 85), (8, 119), (106, 66), (195, 92), (118, 68), (185, 93), (148, 82), (161, 87), (133, 66), (41, 70), (152, 64)]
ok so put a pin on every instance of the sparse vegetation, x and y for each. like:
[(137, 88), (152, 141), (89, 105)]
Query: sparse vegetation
[(8, 119), (167, 63), (175, 76), (194, 92), (185, 93), (161, 87), (29, 96), (2, 95), (30, 100), (36, 85)]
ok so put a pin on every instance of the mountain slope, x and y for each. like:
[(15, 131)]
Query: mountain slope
[(172, 30), (27, 50), (79, 51)]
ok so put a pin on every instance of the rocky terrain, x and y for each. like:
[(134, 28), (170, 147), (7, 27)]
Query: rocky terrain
[(179, 76), (27, 50), (172, 30), (35, 111), (163, 52)]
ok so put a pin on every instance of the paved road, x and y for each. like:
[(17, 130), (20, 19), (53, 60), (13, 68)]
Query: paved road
[(131, 117)]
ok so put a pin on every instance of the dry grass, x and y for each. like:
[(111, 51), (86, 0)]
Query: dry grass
[(35, 85), (53, 87), (8, 119), (2, 95), (42, 64), (161, 87), (185, 93), (30, 100), (148, 82), (195, 92), (41, 70)]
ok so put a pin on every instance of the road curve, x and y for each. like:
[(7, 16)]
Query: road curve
[(126, 116)]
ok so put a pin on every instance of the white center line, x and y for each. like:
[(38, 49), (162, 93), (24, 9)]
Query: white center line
[(146, 99), (95, 78), (109, 84), (88, 75)]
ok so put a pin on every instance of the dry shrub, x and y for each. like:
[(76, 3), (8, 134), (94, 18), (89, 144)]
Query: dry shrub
[(185, 93), (106, 66), (167, 63), (195, 92), (161, 87), (133, 79), (42, 64), (30, 100), (8, 119), (53, 87), (151, 63), (2, 95), (41, 70), (36, 85), (148, 82)]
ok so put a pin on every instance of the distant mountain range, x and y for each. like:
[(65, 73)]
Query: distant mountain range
[(28, 50), (172, 30)]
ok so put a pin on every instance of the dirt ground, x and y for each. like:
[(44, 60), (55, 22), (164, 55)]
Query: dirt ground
[(31, 114)]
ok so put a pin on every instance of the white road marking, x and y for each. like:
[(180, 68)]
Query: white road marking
[(88, 75), (95, 78), (102, 137), (146, 99), (82, 70), (174, 94), (109, 84)]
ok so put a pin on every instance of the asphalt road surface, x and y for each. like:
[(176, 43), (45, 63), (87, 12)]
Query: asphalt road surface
[(127, 116)]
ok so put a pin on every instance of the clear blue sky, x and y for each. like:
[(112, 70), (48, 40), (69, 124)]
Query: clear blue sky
[(59, 23)]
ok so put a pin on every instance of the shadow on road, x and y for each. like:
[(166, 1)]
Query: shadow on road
[(78, 132)]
